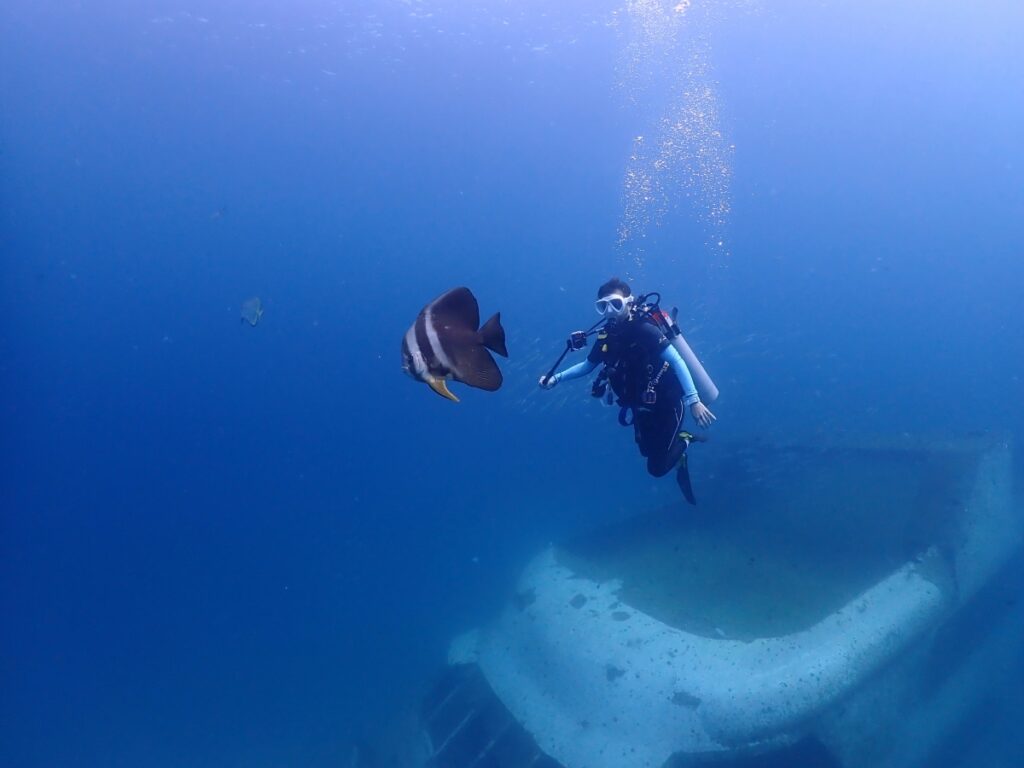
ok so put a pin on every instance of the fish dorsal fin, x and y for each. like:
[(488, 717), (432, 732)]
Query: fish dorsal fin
[(456, 309)]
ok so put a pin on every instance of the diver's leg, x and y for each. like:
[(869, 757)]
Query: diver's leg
[(642, 432), (674, 442), (665, 446)]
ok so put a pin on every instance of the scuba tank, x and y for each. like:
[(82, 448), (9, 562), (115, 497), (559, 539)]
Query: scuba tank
[(667, 323)]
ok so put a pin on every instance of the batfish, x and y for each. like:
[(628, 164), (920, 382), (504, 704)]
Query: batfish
[(447, 342)]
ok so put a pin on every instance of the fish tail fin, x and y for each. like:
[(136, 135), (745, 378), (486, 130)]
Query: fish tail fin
[(492, 335)]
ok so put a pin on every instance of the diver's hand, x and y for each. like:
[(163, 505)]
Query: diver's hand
[(701, 413), (548, 382)]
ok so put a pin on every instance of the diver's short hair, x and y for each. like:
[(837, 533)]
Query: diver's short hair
[(615, 285)]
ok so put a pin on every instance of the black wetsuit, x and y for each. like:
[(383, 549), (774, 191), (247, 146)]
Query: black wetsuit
[(631, 351)]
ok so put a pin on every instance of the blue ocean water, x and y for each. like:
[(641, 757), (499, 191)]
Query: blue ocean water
[(233, 545)]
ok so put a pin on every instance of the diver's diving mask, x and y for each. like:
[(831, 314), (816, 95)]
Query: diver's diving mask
[(611, 305)]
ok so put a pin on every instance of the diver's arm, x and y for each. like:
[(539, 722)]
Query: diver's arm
[(700, 412), (573, 372), (671, 356), (576, 371)]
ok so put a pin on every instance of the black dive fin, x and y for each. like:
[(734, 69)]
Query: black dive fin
[(683, 479), (492, 335)]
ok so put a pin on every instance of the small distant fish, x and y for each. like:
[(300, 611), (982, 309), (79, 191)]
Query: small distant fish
[(446, 342), (252, 310)]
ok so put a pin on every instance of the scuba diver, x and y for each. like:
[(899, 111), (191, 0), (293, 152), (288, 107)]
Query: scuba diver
[(645, 363)]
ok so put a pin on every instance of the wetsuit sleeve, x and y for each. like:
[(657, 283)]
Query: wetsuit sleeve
[(672, 357), (576, 371)]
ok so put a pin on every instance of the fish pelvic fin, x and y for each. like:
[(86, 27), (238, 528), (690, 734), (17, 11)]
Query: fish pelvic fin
[(441, 387)]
